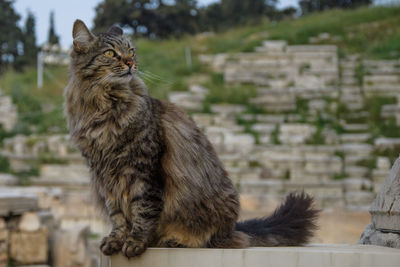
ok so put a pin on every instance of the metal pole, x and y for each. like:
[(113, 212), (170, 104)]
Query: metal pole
[(40, 70), (188, 57)]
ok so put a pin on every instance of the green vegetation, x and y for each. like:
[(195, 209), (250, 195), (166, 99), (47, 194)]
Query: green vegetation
[(39, 110), (392, 153), (370, 163), (371, 32), (4, 165), (49, 158), (378, 125)]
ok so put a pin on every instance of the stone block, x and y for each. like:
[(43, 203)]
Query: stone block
[(29, 222), (355, 138), (187, 100), (13, 202), (361, 198), (385, 210), (59, 174), (264, 128), (309, 256), (4, 240), (227, 109), (70, 247), (379, 238), (356, 184), (22, 249)]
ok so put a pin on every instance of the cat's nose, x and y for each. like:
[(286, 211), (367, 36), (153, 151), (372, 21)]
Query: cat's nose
[(128, 62)]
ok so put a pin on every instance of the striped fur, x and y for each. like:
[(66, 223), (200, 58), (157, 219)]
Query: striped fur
[(154, 173)]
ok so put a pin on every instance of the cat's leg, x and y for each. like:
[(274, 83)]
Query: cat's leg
[(114, 241), (146, 207)]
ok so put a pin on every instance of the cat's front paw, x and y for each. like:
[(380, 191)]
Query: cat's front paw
[(132, 247), (111, 244)]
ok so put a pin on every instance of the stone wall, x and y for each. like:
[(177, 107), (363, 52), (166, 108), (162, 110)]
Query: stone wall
[(312, 256), (32, 231), (8, 112)]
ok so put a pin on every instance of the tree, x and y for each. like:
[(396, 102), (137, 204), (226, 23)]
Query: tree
[(211, 17), (309, 6), (29, 40), (10, 34), (148, 17), (53, 38), (237, 12)]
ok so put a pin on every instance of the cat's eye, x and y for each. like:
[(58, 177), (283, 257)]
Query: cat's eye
[(131, 52), (109, 53)]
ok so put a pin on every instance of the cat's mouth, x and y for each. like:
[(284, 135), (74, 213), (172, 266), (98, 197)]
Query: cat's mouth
[(128, 73)]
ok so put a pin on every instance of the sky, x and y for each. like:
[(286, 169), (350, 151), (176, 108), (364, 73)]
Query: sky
[(67, 11)]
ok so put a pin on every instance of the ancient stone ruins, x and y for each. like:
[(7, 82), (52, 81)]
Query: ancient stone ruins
[(266, 154)]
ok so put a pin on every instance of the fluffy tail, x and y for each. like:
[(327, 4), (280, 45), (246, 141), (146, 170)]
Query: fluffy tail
[(291, 224)]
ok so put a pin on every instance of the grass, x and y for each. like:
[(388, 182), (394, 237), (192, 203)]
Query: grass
[(39, 110), (4, 164), (163, 65), (372, 32)]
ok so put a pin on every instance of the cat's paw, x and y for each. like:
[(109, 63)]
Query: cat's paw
[(132, 247), (111, 244)]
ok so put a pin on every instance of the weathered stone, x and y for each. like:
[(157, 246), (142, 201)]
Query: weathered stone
[(360, 198), (355, 138), (356, 184), (198, 90), (295, 133), (383, 163), (187, 100), (385, 142), (29, 222), (264, 128), (3, 243), (60, 174), (385, 210), (8, 112), (385, 213), (376, 237), (7, 179), (70, 247), (228, 109), (29, 247), (12, 202)]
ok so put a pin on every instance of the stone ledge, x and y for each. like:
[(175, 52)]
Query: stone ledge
[(310, 256)]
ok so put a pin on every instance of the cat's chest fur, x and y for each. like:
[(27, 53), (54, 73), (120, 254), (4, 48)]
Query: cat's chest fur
[(123, 135)]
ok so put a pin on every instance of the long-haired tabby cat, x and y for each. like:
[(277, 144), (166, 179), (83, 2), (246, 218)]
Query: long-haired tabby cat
[(153, 171)]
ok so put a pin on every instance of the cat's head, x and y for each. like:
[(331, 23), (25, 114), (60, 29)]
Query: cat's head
[(106, 58)]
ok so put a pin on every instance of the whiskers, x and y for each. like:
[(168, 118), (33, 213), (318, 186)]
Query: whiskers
[(152, 78)]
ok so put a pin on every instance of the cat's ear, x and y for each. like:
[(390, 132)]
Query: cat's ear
[(82, 37), (115, 30)]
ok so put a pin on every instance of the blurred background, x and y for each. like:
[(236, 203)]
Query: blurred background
[(294, 95)]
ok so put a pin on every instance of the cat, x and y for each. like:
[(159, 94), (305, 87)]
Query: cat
[(154, 173)]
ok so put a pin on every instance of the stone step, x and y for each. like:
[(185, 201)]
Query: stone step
[(186, 100), (356, 149), (312, 48), (381, 79), (264, 128), (348, 81), (356, 184), (350, 89), (356, 171), (355, 138), (227, 109), (355, 127)]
